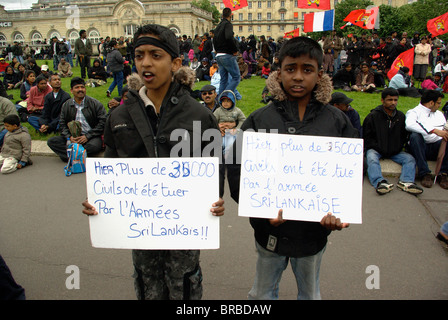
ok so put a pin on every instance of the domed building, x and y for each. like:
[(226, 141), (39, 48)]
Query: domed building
[(100, 18)]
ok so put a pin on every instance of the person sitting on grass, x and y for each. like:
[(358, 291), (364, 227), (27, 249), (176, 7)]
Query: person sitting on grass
[(48, 122), (365, 80), (64, 69), (28, 83), (35, 103)]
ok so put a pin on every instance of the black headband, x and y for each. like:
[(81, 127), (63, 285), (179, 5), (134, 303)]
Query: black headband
[(173, 52)]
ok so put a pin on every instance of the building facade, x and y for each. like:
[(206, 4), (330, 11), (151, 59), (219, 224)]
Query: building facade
[(273, 18), (100, 18)]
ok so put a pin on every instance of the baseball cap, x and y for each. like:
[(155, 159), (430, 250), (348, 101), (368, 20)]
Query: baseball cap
[(339, 97)]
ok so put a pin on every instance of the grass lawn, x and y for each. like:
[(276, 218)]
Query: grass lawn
[(250, 90)]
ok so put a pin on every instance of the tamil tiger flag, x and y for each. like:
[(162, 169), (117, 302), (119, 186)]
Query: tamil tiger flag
[(404, 59), (235, 4), (363, 18), (438, 25), (314, 4), (292, 34)]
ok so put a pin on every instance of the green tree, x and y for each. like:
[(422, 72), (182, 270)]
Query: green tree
[(207, 6)]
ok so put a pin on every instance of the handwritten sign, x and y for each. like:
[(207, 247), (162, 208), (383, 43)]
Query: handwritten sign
[(153, 203), (306, 176)]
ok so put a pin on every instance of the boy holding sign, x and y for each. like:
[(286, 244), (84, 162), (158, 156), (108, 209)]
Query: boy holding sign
[(301, 94), (141, 128)]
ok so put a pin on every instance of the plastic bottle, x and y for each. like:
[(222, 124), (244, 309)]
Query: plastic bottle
[(69, 149)]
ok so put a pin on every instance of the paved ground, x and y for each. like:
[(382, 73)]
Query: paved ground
[(42, 232)]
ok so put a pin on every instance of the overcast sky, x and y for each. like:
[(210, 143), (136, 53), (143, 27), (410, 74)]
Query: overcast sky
[(17, 4)]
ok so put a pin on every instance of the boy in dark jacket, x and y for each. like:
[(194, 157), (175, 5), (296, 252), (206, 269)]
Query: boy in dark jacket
[(301, 94), (385, 135), (148, 117)]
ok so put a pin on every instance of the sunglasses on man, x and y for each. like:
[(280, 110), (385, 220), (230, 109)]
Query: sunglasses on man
[(207, 93)]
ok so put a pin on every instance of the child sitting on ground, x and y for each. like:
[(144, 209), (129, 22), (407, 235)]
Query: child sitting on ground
[(16, 148), (429, 84), (266, 70), (229, 116)]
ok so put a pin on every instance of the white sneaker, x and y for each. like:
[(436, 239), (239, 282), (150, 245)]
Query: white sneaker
[(384, 187), (409, 187)]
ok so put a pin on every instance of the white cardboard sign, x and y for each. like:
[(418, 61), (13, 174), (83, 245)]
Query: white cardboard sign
[(153, 203), (306, 176)]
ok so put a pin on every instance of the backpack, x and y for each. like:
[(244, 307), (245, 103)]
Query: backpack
[(76, 159)]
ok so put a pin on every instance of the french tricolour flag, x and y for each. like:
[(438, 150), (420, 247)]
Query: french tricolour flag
[(319, 21)]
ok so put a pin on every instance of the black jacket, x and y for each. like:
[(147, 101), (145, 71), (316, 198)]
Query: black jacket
[(383, 133), (223, 41), (52, 109), (295, 238), (134, 130), (100, 73), (93, 111)]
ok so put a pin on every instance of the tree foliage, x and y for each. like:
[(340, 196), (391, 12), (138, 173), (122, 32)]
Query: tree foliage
[(207, 6), (408, 18)]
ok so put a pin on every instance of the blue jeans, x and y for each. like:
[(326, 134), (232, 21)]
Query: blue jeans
[(2, 136), (228, 66), (270, 267), (423, 151), (118, 82), (34, 122), (404, 159)]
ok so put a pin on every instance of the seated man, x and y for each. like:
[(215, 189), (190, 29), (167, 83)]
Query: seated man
[(365, 80), (401, 81), (426, 125), (442, 67), (49, 121), (378, 75), (6, 108), (385, 136), (342, 102), (45, 71), (203, 71), (64, 69), (89, 112), (344, 78)]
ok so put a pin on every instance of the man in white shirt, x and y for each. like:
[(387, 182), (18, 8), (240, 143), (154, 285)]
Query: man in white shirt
[(442, 67), (426, 125)]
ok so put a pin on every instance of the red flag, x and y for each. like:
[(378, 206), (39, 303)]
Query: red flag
[(404, 59), (438, 25), (292, 34), (314, 4), (235, 4), (363, 18)]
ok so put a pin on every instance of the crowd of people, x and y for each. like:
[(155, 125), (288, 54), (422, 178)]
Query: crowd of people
[(159, 81)]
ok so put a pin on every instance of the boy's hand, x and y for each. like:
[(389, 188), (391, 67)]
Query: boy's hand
[(332, 223), (89, 209), (218, 208), (279, 220)]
